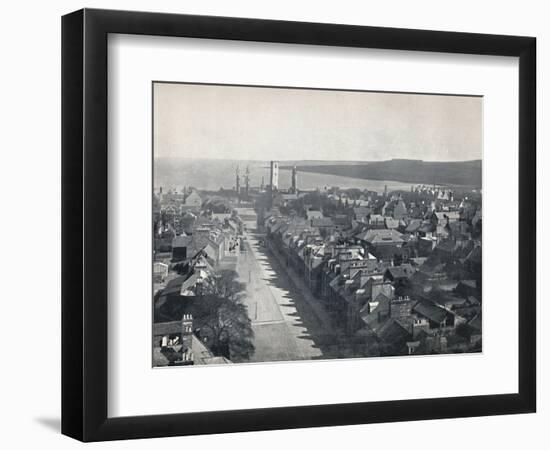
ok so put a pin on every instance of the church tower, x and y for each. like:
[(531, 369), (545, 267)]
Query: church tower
[(237, 181)]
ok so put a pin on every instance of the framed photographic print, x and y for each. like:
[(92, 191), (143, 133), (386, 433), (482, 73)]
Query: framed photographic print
[(273, 224)]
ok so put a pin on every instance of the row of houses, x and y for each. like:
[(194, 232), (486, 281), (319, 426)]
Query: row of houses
[(394, 290), (184, 264), (216, 234)]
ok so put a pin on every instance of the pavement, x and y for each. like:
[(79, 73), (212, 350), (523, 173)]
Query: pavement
[(287, 327)]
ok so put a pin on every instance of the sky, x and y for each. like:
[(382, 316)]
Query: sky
[(264, 123)]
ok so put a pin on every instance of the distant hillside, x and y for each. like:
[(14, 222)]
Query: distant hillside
[(464, 173)]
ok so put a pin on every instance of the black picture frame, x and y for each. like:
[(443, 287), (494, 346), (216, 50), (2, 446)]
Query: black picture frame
[(84, 224)]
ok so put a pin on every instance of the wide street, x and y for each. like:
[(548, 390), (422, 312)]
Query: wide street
[(286, 324)]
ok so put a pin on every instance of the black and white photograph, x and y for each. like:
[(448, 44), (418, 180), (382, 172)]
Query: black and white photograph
[(267, 225), (300, 224)]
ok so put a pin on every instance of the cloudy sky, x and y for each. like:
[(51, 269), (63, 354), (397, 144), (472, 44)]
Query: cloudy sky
[(234, 122)]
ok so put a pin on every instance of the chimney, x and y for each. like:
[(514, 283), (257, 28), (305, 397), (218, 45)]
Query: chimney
[(187, 331)]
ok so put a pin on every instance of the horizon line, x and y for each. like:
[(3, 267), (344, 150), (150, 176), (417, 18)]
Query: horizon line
[(320, 160)]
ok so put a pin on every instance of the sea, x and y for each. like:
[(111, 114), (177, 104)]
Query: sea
[(215, 174)]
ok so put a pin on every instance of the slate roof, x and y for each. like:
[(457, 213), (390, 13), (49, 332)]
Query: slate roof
[(431, 311), (392, 331), (402, 271)]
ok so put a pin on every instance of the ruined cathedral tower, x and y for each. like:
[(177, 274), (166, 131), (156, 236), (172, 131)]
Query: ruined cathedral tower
[(274, 176)]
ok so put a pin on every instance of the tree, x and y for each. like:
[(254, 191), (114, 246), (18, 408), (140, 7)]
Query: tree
[(223, 318)]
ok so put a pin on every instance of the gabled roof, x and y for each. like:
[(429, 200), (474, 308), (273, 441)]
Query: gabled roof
[(190, 283), (392, 331), (431, 311), (370, 279), (402, 271)]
